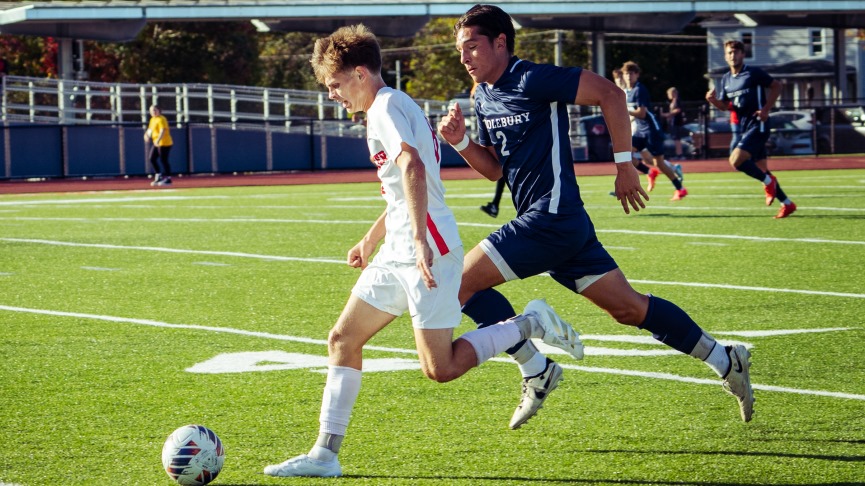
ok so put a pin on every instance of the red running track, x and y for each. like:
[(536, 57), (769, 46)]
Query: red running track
[(776, 164)]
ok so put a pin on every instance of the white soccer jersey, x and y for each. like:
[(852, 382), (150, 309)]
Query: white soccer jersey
[(392, 119)]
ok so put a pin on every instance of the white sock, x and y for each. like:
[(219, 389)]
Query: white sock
[(534, 366), (492, 340), (340, 393), (320, 453), (719, 360), (767, 180)]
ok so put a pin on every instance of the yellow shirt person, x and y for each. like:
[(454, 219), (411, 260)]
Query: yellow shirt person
[(159, 134)]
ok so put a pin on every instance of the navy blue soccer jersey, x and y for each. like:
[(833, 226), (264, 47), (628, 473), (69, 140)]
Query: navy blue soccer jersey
[(639, 96), (524, 115), (747, 91)]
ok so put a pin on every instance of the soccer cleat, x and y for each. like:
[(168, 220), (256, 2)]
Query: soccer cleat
[(652, 175), (738, 380), (305, 466), (679, 194), (491, 209), (771, 189), (535, 390), (156, 180), (786, 210), (677, 168), (166, 181), (549, 327)]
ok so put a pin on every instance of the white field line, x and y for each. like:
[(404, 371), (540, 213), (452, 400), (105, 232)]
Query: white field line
[(338, 261), (176, 250), (91, 200), (322, 342), (821, 241)]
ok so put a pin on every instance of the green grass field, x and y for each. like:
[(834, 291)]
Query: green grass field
[(125, 315)]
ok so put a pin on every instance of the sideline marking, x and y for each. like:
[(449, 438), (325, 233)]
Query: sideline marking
[(474, 225), (342, 262), (664, 376), (174, 250), (107, 200)]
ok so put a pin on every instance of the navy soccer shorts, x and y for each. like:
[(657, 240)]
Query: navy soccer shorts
[(654, 143), (565, 246), (753, 140)]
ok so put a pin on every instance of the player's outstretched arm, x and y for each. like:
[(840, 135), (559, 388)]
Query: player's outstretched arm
[(595, 90)]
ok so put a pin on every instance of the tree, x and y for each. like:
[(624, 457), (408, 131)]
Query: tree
[(189, 52), (434, 69)]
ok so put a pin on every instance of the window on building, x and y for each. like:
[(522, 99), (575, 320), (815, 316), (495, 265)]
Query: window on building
[(816, 42), (748, 41)]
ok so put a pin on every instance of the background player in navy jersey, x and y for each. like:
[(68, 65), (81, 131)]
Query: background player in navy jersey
[(749, 93), (523, 123), (648, 137), (419, 265)]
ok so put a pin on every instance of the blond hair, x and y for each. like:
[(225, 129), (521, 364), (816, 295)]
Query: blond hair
[(347, 48)]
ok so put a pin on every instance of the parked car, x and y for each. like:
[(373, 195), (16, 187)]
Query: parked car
[(792, 133), (797, 119), (720, 136)]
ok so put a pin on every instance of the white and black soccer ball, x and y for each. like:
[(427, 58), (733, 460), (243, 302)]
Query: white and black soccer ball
[(193, 455)]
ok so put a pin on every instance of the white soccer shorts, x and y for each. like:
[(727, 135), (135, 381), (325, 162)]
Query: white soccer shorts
[(398, 287)]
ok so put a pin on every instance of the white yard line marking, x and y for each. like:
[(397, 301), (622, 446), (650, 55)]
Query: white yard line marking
[(323, 342), (107, 200), (745, 287), (733, 237), (471, 225), (342, 262), (175, 250)]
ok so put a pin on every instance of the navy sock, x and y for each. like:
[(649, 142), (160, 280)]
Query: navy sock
[(671, 325), (750, 168), (643, 168), (489, 307), (779, 193), (677, 184)]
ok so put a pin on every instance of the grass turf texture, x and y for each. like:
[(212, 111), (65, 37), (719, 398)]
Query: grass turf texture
[(88, 394)]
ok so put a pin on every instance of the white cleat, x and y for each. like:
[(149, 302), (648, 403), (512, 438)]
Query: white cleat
[(738, 380), (552, 329), (305, 466), (535, 390)]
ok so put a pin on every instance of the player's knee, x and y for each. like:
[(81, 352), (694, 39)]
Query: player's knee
[(438, 374), (338, 343), (631, 312)]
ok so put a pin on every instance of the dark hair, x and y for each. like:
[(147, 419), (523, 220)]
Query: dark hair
[(736, 45), (490, 21), (630, 67)]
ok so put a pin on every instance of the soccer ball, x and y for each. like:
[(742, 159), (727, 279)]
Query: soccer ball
[(193, 455)]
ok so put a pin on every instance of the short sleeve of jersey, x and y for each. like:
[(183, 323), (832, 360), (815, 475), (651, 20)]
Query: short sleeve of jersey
[(393, 127), (721, 93), (552, 83), (642, 98), (761, 78), (538, 82)]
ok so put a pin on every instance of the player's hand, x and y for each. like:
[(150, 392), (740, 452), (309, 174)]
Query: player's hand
[(452, 126), (762, 114), (628, 188), (424, 263), (358, 256), (710, 96)]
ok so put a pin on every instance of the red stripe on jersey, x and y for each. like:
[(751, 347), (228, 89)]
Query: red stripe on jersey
[(437, 237)]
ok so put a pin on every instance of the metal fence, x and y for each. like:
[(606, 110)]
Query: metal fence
[(73, 102)]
